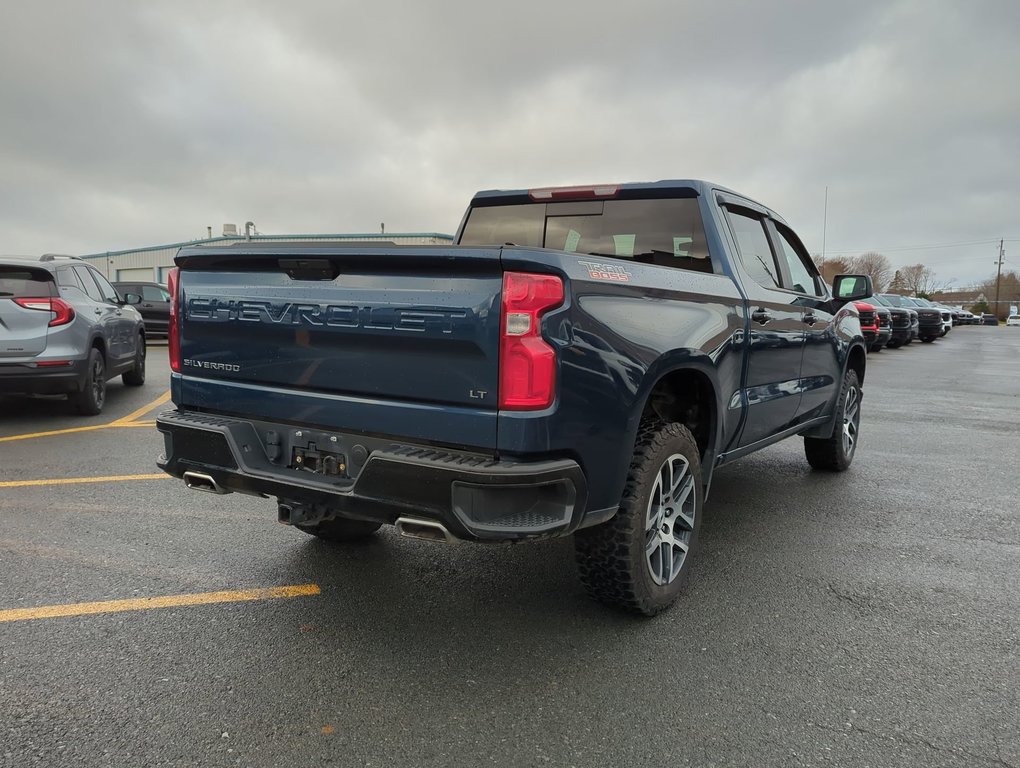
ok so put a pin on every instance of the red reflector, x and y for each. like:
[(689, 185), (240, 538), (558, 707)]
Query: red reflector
[(63, 313), (527, 364), (52, 363), (575, 193), (173, 333)]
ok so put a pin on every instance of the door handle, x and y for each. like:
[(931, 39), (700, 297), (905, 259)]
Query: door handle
[(761, 315), (810, 318)]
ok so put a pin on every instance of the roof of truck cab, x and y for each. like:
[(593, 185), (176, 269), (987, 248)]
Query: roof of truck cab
[(664, 187)]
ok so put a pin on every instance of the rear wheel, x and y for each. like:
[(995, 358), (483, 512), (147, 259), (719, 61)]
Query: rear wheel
[(89, 401), (928, 339), (639, 560), (341, 529), (834, 453), (136, 376)]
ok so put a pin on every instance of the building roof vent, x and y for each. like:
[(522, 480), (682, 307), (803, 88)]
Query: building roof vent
[(230, 230)]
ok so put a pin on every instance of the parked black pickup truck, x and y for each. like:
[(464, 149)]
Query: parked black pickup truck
[(581, 362)]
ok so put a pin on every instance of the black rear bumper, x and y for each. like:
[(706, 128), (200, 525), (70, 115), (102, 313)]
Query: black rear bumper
[(58, 380), (474, 496)]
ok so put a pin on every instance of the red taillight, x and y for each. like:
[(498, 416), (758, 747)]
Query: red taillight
[(173, 333), (575, 193), (63, 313), (527, 364)]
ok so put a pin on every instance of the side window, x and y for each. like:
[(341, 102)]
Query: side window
[(68, 278), (109, 292), (753, 245), (152, 293), (802, 279), (84, 275)]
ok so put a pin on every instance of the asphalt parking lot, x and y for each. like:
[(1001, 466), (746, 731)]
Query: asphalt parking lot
[(862, 619)]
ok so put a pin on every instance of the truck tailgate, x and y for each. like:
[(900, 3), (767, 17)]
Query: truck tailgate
[(400, 325)]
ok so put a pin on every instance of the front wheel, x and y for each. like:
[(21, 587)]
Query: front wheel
[(834, 453), (639, 560)]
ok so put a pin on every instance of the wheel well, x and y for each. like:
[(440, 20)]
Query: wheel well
[(856, 362), (98, 343), (687, 397)]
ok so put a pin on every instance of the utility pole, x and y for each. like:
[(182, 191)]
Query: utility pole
[(825, 220), (998, 276)]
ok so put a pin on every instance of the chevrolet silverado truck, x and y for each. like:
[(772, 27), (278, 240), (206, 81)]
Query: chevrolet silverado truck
[(581, 362)]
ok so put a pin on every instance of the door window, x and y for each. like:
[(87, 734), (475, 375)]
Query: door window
[(153, 293), (108, 291), (85, 275), (753, 248), (802, 279)]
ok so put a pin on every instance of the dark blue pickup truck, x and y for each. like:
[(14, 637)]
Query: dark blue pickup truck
[(579, 363)]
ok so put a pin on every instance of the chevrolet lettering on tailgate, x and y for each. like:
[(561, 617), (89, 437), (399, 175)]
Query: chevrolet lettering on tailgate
[(218, 310)]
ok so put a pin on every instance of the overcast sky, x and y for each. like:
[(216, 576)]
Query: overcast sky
[(128, 124)]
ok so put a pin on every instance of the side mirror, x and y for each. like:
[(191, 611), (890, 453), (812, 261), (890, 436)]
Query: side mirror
[(132, 298), (851, 287)]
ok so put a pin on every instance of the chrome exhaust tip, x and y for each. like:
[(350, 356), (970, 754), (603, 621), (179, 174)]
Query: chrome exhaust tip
[(430, 530), (200, 482)]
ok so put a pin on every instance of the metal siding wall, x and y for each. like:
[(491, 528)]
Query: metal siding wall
[(141, 274), (159, 260)]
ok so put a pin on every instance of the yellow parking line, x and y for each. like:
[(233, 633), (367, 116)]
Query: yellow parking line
[(91, 428), (127, 421), (73, 480), (167, 601), (165, 397)]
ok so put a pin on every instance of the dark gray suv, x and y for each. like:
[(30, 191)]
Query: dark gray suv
[(65, 330)]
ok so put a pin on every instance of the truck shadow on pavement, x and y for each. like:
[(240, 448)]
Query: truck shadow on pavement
[(492, 605)]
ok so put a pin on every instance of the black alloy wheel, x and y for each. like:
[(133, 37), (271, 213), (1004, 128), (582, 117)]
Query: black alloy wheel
[(90, 400)]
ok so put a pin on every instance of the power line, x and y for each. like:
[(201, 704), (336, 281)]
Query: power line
[(928, 246)]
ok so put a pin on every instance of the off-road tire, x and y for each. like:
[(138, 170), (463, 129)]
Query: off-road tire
[(90, 400), (611, 558), (341, 529), (836, 452), (136, 376)]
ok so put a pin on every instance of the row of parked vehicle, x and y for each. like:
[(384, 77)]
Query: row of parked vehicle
[(891, 320)]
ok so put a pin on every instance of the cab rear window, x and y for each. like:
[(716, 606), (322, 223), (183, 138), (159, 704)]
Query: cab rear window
[(21, 282), (667, 232)]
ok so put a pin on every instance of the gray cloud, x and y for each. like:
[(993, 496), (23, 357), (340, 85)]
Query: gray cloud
[(129, 124)]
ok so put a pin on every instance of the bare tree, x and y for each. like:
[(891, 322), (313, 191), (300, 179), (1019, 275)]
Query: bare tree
[(1009, 293), (874, 264), (832, 266), (919, 279)]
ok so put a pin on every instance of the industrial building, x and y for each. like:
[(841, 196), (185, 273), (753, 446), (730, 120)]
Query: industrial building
[(152, 264)]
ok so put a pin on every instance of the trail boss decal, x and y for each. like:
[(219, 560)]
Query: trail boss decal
[(599, 271)]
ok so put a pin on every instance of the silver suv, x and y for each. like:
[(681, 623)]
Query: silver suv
[(65, 330)]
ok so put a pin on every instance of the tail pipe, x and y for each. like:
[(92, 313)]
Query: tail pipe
[(416, 528), (200, 482)]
